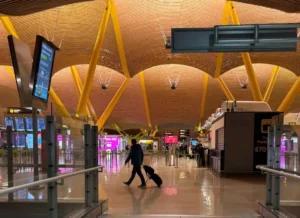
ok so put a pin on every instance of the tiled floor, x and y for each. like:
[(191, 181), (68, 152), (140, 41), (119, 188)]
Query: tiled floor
[(186, 192)]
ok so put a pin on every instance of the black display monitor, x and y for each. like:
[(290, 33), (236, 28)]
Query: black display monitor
[(29, 124), (9, 122), (41, 124), (20, 140), (42, 67), (20, 124)]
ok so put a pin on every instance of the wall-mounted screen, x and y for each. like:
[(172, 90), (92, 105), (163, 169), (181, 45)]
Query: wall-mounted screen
[(194, 142), (29, 140), (41, 124), (20, 140), (172, 139), (29, 124), (20, 124), (43, 61), (9, 122)]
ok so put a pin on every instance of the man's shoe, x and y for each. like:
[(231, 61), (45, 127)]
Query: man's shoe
[(142, 186), (127, 183)]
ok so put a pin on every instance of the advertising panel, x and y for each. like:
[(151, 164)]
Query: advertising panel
[(171, 139)]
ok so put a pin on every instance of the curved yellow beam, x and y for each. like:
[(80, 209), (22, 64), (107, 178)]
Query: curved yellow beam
[(118, 35), (53, 96), (289, 98), (59, 105), (247, 61), (93, 62), (76, 79), (146, 104), (271, 84), (220, 56), (9, 26), (112, 104), (78, 83), (204, 92), (225, 89)]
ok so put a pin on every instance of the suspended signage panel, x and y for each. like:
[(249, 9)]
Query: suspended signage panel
[(236, 38), (42, 68)]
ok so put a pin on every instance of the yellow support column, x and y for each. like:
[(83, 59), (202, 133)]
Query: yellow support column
[(10, 71), (289, 98), (53, 96), (118, 34), (9, 26), (93, 62), (119, 130), (144, 91), (204, 92), (225, 89), (112, 104), (76, 79), (271, 83), (60, 107), (220, 56), (155, 131), (247, 61), (89, 109)]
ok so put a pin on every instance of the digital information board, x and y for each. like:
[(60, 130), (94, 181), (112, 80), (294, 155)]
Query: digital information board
[(44, 72), (41, 124), (9, 122), (29, 124), (20, 124)]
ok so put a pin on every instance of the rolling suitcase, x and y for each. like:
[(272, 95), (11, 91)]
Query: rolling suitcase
[(151, 175)]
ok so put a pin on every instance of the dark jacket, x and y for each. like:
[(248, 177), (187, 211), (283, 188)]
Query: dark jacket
[(136, 155)]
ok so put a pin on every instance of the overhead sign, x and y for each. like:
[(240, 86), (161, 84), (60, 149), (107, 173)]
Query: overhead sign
[(20, 110), (236, 38)]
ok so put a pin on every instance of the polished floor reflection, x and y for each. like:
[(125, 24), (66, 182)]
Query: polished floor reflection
[(186, 190)]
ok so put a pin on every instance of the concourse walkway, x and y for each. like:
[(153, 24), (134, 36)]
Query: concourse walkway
[(187, 191)]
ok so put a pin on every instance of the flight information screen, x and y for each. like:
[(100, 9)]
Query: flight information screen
[(9, 122), (20, 124), (41, 124), (29, 124), (42, 84), (20, 140)]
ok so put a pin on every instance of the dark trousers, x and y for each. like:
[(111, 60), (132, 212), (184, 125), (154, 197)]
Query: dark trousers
[(137, 170)]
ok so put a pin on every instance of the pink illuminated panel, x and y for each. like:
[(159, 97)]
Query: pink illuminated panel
[(110, 143), (172, 139)]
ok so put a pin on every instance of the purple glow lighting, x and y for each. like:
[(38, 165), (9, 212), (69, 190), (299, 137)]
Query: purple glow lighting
[(110, 143)]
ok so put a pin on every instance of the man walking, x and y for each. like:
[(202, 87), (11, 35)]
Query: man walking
[(136, 156)]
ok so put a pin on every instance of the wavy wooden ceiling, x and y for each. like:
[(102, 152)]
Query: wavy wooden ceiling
[(143, 24)]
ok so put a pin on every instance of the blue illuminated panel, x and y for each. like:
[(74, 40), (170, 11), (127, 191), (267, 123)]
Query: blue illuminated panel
[(44, 72)]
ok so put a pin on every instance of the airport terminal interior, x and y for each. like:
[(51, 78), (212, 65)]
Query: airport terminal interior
[(202, 95)]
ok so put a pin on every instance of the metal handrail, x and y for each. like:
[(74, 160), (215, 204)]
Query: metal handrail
[(48, 180), (277, 172)]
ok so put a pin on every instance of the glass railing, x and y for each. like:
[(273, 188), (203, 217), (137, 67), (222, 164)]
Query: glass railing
[(66, 195)]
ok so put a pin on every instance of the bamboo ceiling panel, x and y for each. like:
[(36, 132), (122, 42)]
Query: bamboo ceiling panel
[(168, 108), (74, 27), (24, 7), (130, 110), (144, 24)]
